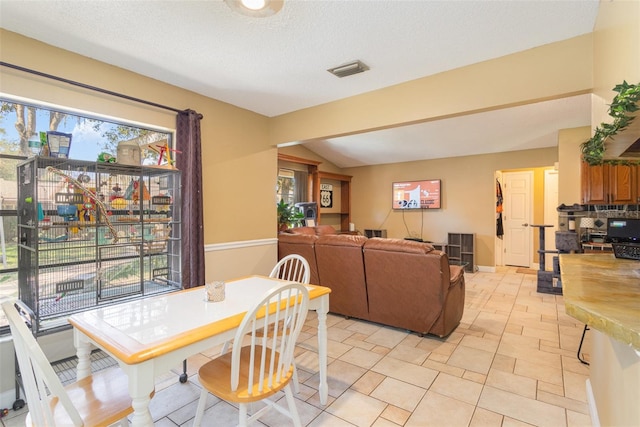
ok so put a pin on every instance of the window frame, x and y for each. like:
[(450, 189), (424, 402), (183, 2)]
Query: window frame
[(4, 97)]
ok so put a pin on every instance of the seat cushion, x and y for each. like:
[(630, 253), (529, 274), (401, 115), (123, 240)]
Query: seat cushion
[(215, 376)]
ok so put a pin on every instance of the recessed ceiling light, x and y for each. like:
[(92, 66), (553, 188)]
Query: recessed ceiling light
[(254, 4), (256, 8)]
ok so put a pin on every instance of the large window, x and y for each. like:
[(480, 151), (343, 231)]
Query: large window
[(286, 186), (23, 127)]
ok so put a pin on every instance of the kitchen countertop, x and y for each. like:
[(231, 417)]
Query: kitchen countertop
[(603, 292)]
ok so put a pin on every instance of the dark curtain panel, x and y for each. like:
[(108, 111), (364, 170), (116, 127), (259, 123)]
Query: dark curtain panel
[(188, 161), (300, 178)]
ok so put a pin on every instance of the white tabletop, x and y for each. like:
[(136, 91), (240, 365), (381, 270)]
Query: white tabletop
[(138, 330)]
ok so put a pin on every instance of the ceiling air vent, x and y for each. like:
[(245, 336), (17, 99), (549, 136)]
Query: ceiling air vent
[(345, 70)]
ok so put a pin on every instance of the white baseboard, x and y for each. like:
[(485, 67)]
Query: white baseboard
[(591, 403), (7, 398)]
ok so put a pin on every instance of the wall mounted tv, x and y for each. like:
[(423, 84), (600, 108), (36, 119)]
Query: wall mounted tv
[(417, 194)]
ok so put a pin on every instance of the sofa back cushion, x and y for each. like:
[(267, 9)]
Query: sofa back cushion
[(319, 230), (322, 230), (301, 230), (301, 244), (341, 268), (407, 282)]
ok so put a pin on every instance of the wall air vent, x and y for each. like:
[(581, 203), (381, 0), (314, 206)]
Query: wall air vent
[(345, 70)]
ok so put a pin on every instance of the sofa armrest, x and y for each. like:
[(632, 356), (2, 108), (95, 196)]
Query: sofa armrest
[(456, 272)]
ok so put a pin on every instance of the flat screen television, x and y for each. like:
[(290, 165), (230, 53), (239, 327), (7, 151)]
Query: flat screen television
[(423, 194)]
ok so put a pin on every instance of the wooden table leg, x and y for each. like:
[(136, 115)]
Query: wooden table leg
[(141, 384), (83, 352)]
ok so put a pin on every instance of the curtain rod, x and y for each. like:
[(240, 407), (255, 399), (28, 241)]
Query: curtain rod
[(86, 86)]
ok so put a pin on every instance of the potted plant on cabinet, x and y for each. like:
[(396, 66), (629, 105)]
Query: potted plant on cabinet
[(623, 109), (288, 216)]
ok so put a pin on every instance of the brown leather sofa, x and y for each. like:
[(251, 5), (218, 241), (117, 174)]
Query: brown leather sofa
[(395, 282)]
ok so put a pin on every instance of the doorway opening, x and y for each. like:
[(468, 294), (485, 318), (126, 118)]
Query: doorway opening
[(529, 198)]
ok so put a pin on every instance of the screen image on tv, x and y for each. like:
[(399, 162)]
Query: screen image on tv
[(417, 194)]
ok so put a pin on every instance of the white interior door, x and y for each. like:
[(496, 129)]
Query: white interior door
[(550, 214), (517, 193)]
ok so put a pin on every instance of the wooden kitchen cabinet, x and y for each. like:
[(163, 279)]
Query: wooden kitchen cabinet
[(610, 184), (623, 184)]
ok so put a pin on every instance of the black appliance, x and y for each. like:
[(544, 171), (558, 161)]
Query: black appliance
[(624, 235), (623, 230), (308, 209)]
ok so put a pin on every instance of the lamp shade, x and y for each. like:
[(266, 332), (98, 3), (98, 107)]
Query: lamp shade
[(587, 223)]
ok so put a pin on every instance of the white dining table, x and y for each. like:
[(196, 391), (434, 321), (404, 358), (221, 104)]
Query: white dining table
[(148, 337)]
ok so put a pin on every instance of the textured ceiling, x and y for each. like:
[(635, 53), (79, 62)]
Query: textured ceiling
[(278, 64)]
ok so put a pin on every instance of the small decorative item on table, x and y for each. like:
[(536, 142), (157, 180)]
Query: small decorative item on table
[(215, 291)]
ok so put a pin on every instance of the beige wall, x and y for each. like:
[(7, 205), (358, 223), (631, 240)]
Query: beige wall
[(569, 163), (468, 196), (615, 51)]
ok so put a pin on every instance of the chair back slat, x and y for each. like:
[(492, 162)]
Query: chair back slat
[(40, 382), (294, 268), (284, 308)]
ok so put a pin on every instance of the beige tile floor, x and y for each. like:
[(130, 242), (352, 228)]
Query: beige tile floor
[(511, 362)]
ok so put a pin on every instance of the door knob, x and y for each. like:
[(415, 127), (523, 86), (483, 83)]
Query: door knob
[(525, 225)]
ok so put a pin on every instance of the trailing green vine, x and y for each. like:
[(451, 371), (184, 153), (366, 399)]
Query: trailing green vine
[(624, 104)]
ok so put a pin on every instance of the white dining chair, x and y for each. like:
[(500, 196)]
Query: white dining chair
[(257, 370), (294, 268), (101, 399)]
